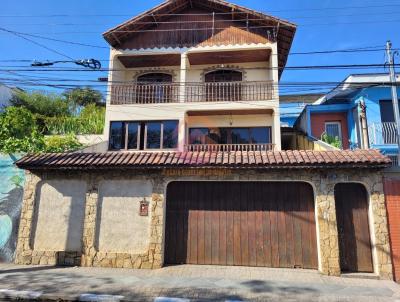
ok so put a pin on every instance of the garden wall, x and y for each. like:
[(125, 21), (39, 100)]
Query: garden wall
[(11, 193)]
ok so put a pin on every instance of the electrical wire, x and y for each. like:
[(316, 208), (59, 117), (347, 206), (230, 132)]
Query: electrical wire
[(200, 14), (37, 43), (50, 39), (305, 67)]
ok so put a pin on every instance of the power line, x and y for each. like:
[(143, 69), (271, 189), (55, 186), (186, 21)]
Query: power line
[(250, 27), (37, 43), (348, 50), (305, 67), (208, 21), (130, 15), (50, 39)]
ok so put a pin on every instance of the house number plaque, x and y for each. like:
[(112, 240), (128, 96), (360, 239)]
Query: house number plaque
[(144, 208)]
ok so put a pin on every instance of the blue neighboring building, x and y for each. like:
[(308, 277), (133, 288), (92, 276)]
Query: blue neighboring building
[(359, 111)]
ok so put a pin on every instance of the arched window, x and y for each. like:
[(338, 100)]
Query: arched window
[(154, 88), (154, 77), (223, 75), (223, 85)]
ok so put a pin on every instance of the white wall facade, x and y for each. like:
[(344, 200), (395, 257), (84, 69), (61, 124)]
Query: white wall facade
[(253, 71)]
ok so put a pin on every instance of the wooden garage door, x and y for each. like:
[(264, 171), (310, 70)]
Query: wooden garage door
[(241, 223), (353, 227)]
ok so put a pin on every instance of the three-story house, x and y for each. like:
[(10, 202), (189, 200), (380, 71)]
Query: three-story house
[(197, 77), (193, 172)]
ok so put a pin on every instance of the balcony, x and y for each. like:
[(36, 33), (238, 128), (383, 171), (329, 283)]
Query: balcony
[(228, 147), (383, 134), (192, 92)]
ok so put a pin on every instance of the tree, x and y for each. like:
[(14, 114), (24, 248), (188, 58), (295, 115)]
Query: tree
[(81, 97), (40, 104)]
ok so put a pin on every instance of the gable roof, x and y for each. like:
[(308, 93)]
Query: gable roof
[(296, 159), (285, 29), (354, 83)]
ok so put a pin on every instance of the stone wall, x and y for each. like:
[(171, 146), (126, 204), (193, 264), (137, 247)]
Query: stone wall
[(323, 182)]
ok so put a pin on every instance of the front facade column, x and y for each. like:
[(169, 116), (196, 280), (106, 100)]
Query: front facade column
[(276, 129), (182, 78)]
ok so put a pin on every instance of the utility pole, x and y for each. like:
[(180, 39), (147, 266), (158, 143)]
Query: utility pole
[(395, 99)]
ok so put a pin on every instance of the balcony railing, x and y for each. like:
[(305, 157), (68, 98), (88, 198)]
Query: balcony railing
[(229, 147), (193, 92), (383, 133)]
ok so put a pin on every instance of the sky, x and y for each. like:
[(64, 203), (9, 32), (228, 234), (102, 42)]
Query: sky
[(322, 25)]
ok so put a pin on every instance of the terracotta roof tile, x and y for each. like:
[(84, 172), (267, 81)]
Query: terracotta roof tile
[(256, 159)]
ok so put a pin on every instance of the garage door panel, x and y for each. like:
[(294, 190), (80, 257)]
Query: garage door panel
[(251, 218), (241, 223), (281, 228), (201, 226), (259, 224)]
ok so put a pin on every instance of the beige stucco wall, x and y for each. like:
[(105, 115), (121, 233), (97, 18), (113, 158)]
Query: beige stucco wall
[(323, 182), (59, 219), (255, 71), (120, 228)]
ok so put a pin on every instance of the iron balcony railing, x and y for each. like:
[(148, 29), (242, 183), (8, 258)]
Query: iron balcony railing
[(228, 147), (191, 92), (383, 133), (395, 160)]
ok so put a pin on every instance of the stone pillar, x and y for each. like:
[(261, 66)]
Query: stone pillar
[(328, 249), (89, 228), (380, 233), (24, 249), (157, 230)]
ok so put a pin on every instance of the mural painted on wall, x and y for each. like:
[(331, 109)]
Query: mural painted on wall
[(11, 193)]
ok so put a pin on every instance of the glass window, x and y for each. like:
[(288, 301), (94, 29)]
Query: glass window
[(240, 136), (387, 112), (153, 138), (170, 134), (216, 136), (117, 136), (198, 136), (133, 130), (333, 130), (261, 135)]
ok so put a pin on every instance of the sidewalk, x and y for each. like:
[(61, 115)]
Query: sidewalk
[(197, 283)]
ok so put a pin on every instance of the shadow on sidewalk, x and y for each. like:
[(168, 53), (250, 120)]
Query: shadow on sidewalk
[(30, 269)]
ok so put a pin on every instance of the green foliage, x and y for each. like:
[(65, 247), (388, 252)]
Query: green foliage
[(83, 96), (90, 121), (18, 131), (23, 125), (59, 144), (42, 105), (333, 141)]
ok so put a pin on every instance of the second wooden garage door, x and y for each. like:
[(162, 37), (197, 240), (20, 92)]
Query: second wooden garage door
[(268, 224)]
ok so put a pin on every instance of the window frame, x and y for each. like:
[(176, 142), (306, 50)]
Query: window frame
[(339, 123), (161, 135), (137, 136), (229, 131), (125, 131)]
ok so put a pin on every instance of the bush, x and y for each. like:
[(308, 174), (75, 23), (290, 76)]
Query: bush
[(333, 141), (90, 121), (59, 144), (18, 131)]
